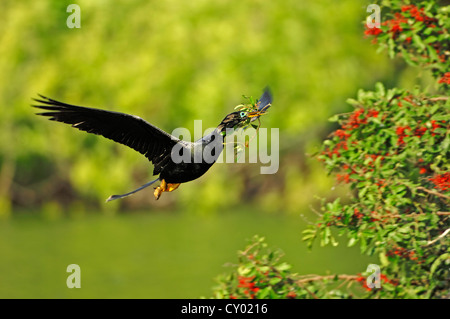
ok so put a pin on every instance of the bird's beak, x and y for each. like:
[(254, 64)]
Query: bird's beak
[(254, 115)]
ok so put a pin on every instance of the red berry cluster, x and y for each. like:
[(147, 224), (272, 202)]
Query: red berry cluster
[(445, 79), (408, 11), (405, 21), (249, 285), (383, 278), (434, 126), (402, 253), (418, 14), (355, 218), (343, 178), (341, 134), (441, 181), (401, 131), (346, 177), (373, 158), (395, 24), (355, 120), (372, 31), (357, 214), (291, 295), (336, 150)]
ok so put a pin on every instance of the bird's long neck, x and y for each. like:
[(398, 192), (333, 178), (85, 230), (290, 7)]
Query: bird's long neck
[(220, 130), (228, 122), (217, 133), (224, 125)]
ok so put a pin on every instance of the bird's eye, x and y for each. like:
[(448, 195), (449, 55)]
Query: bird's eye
[(242, 114)]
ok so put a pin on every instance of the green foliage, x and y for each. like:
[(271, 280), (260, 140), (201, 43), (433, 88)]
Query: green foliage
[(393, 151), (419, 33), (260, 274)]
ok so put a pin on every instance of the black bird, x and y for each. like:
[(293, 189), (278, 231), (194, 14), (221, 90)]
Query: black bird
[(175, 161)]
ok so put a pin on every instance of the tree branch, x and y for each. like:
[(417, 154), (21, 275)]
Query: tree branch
[(301, 281), (445, 233), (408, 215), (438, 98), (307, 290), (432, 192)]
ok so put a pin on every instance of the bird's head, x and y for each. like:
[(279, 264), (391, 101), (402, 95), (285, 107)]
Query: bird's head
[(247, 113), (239, 119)]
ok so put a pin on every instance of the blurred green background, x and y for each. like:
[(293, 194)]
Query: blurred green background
[(169, 62)]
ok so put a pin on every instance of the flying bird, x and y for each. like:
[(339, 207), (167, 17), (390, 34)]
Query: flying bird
[(175, 161)]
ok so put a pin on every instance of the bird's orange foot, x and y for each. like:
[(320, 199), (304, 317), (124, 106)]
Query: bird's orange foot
[(160, 189), (172, 187), (164, 187), (157, 192)]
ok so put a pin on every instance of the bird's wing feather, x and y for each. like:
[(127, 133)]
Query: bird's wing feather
[(126, 129)]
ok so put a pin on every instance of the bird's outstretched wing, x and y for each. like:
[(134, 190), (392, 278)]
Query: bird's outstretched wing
[(126, 129)]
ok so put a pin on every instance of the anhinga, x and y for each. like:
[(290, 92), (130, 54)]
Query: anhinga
[(157, 145)]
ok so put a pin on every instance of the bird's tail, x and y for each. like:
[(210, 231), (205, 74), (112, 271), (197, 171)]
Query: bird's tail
[(113, 197)]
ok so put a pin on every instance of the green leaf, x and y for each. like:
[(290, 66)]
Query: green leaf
[(352, 242), (283, 267), (264, 269), (363, 244), (418, 41), (243, 270), (437, 262), (407, 57), (326, 237), (446, 143), (334, 118), (430, 39), (405, 229), (334, 243), (353, 102), (263, 293), (380, 89), (273, 281), (383, 259), (391, 48)]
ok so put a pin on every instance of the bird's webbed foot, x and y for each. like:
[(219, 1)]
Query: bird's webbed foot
[(165, 187)]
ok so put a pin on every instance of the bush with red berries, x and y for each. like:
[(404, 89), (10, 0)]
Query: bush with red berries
[(419, 33), (393, 153), (260, 274)]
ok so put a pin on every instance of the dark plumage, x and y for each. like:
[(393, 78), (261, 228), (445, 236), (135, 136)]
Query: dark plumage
[(152, 142)]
